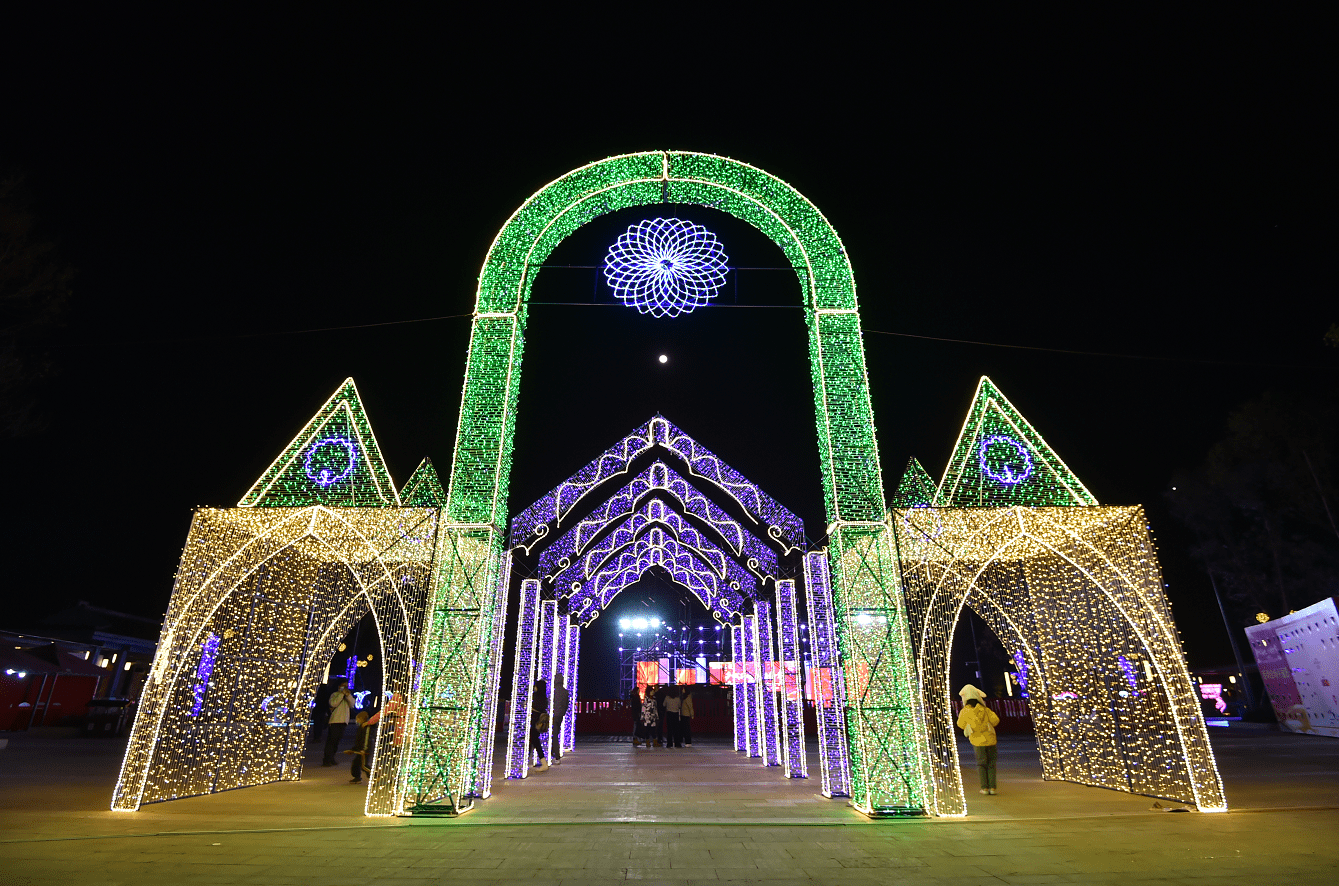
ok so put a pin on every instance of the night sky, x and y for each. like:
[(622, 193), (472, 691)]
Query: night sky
[(222, 187)]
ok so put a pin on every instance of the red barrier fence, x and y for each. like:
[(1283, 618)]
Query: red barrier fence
[(713, 716)]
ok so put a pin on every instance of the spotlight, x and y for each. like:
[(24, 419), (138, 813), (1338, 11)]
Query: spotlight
[(624, 623), (664, 358), (639, 624)]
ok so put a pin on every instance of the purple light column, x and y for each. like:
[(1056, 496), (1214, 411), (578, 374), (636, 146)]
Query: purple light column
[(792, 695), (483, 785), (829, 687), (768, 725), (739, 690), (548, 659), (751, 687), (522, 681), (573, 659)]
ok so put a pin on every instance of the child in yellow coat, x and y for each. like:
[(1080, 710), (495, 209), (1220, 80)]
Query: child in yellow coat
[(978, 723)]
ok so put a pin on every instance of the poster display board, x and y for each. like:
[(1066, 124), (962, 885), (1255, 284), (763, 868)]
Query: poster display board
[(1298, 656)]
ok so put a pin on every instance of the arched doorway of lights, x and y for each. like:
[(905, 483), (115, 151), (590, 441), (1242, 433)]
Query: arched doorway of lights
[(264, 597), (1073, 590), (658, 499), (1075, 595), (881, 728)]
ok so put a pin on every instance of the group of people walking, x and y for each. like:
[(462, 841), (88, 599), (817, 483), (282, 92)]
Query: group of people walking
[(663, 715)]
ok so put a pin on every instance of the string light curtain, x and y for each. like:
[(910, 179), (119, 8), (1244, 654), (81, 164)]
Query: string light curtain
[(269, 593), (1078, 592)]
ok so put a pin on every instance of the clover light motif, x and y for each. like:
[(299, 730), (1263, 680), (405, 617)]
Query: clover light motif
[(665, 267)]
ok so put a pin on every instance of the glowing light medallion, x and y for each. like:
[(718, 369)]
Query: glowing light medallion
[(330, 461), (665, 267), (1007, 471)]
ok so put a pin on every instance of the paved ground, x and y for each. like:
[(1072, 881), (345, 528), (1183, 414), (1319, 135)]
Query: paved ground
[(677, 816)]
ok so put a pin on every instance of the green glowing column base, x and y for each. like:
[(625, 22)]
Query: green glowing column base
[(884, 721), (448, 729)]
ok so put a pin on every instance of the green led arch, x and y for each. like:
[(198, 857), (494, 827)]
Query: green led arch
[(884, 720)]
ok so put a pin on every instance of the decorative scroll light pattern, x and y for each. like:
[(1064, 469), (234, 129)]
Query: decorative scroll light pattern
[(334, 460), (548, 514), (1001, 460), (769, 728), (828, 682), (656, 548), (792, 682), (1077, 590), (665, 267), (656, 480), (523, 680), (263, 597)]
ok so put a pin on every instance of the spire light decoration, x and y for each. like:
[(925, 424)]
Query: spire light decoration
[(665, 267), (1001, 460)]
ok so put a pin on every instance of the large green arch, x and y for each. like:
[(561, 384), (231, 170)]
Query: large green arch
[(884, 722)]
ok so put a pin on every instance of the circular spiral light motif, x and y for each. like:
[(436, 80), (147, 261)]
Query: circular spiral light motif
[(330, 461), (665, 267)]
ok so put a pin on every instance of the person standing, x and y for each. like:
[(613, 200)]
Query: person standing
[(673, 738), (660, 694), (635, 705), (686, 718), (561, 701), (539, 724), (978, 723), (646, 725), (362, 749), (341, 708)]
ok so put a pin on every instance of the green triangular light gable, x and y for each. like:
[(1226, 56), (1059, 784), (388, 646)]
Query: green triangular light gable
[(1000, 460), (333, 461), (424, 489), (916, 489)]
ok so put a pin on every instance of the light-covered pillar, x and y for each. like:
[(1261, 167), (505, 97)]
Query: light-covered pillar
[(827, 680), (546, 667), (572, 659), (769, 726), (738, 688), (522, 681), (752, 687), (483, 779), (791, 677)]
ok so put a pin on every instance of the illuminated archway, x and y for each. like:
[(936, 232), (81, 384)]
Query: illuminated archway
[(1077, 592), (264, 595), (883, 718)]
